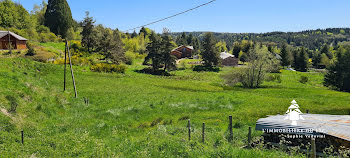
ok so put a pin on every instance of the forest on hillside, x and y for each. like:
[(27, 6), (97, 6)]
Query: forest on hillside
[(311, 39)]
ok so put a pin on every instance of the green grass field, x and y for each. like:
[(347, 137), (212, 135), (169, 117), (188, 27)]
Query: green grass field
[(140, 115)]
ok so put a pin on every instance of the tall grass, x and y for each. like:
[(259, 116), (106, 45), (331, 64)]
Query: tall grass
[(140, 115)]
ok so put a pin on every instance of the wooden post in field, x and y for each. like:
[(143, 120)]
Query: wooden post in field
[(22, 135), (230, 129), (71, 70), (203, 132), (10, 44), (65, 67), (189, 129), (249, 136), (313, 148)]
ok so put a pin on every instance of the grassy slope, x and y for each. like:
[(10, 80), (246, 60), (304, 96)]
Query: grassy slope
[(124, 110)]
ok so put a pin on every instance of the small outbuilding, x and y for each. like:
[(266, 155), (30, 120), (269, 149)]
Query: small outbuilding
[(16, 41), (182, 52), (228, 59)]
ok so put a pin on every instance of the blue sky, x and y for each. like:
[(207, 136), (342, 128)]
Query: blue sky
[(238, 16)]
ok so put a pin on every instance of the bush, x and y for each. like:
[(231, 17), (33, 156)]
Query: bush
[(233, 77), (199, 68), (30, 51), (109, 68), (273, 77), (303, 79)]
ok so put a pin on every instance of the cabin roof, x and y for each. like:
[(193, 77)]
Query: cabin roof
[(189, 47), (333, 125), (224, 55), (18, 37)]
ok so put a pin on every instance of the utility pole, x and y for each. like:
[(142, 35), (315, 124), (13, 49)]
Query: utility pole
[(71, 70), (65, 66)]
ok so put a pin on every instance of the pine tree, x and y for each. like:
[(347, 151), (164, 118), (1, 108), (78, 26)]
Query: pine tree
[(182, 40), (236, 49), (168, 59), (325, 50), (210, 54), (190, 39), (88, 33), (134, 34), (338, 75), (295, 53), (154, 51), (285, 55), (116, 53), (316, 59), (143, 30), (302, 60), (58, 17)]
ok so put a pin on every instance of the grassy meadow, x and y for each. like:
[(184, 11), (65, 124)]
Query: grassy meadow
[(140, 115)]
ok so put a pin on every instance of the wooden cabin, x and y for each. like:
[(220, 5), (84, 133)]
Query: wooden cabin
[(16, 41), (228, 59), (182, 52)]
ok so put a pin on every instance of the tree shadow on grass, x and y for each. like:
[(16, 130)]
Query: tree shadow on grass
[(151, 72)]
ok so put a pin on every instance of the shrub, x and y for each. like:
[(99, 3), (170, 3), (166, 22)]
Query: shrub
[(104, 67), (199, 68), (233, 77), (303, 79), (43, 56), (130, 57), (30, 51), (274, 77)]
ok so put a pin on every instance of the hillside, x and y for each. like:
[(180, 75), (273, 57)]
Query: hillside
[(312, 39), (141, 115)]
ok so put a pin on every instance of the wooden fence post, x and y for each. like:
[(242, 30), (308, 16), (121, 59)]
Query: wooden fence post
[(203, 132), (249, 136), (71, 70), (313, 148), (22, 135), (65, 67), (189, 129), (230, 129)]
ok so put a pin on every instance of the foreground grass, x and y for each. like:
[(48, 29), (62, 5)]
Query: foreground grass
[(139, 115)]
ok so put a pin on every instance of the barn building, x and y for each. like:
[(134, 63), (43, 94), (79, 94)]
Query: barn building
[(17, 42), (228, 59), (182, 52)]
